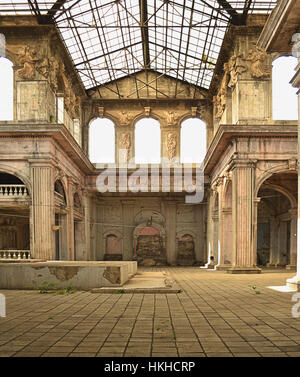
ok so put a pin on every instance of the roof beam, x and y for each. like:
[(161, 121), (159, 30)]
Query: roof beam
[(246, 10), (56, 7), (42, 19), (144, 31), (235, 17)]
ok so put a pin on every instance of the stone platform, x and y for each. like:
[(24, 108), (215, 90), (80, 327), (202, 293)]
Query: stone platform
[(145, 282), (82, 275)]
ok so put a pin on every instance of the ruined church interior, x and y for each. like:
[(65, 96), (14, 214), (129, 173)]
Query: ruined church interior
[(154, 138)]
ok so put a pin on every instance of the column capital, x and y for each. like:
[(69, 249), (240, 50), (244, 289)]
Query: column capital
[(238, 163)]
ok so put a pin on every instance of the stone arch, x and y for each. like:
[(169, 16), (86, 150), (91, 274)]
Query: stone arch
[(149, 244), (92, 150), (7, 170), (141, 146), (186, 241), (60, 188), (284, 97), (199, 129), (276, 218), (268, 174), (227, 195), (6, 89), (113, 251)]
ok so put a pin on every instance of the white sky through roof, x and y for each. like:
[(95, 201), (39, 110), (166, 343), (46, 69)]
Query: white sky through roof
[(105, 39)]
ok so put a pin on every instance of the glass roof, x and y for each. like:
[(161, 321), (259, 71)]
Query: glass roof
[(108, 40)]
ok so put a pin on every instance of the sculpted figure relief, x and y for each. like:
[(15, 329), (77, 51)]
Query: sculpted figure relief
[(220, 99), (53, 71), (171, 145), (171, 117), (28, 58), (236, 67), (257, 58), (125, 144), (125, 118)]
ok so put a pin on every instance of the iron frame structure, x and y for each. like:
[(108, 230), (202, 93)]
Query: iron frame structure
[(109, 40)]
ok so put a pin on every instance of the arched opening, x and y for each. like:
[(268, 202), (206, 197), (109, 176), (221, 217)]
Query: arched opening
[(215, 221), (192, 141), (6, 89), (277, 221), (14, 218), (226, 247), (113, 250), (147, 141), (149, 245), (186, 250), (285, 101), (60, 201), (102, 141)]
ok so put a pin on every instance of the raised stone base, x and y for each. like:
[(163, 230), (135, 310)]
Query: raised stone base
[(244, 270), (223, 267), (81, 275), (294, 283), (291, 267)]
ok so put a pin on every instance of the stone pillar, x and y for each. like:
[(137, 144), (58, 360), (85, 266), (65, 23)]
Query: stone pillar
[(171, 232), (70, 221), (243, 258), (42, 210), (296, 279), (293, 241), (88, 225), (128, 219), (273, 241)]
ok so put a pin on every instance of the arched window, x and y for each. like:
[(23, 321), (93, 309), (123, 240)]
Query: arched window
[(102, 141), (285, 102), (6, 89), (192, 141), (147, 141)]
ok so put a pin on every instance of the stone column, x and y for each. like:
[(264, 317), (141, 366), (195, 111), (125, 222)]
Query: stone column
[(243, 258), (171, 232), (273, 241), (282, 251), (70, 220), (296, 279), (293, 241), (42, 210), (128, 219)]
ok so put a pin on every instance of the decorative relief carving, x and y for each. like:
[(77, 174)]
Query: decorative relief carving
[(125, 118), (147, 110), (149, 217), (257, 57), (171, 117), (171, 145), (101, 111), (220, 99), (125, 144), (292, 164), (236, 67), (28, 59)]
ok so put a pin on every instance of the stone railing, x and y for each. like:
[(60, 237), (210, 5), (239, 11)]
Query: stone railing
[(14, 254), (13, 191)]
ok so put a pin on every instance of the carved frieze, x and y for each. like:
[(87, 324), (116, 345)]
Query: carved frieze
[(220, 99), (28, 59), (124, 145), (257, 58), (171, 145), (236, 66)]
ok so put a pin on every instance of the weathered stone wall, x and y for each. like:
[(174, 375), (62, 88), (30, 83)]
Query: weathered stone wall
[(127, 219)]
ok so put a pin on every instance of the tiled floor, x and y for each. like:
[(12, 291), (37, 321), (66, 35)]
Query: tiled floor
[(216, 314)]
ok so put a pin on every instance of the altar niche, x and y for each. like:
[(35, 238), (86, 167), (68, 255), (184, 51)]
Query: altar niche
[(149, 246), (186, 250)]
